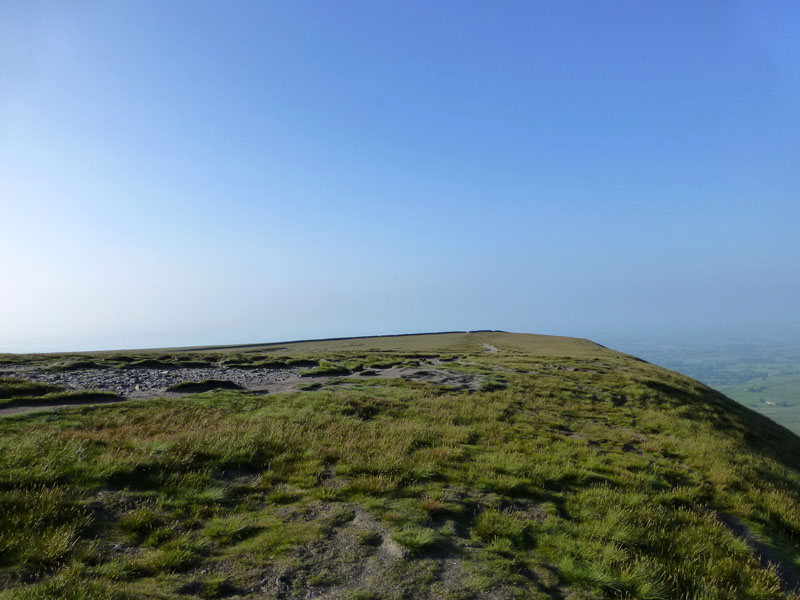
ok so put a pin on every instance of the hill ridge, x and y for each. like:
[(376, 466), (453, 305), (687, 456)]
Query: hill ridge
[(403, 466)]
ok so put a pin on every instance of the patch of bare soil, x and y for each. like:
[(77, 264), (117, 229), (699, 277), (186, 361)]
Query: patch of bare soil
[(470, 381), (355, 556), (356, 553)]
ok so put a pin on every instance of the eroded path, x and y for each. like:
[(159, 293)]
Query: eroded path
[(790, 578)]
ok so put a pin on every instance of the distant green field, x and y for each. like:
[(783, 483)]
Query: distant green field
[(776, 389), (776, 396)]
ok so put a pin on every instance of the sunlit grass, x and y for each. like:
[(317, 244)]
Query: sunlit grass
[(589, 472)]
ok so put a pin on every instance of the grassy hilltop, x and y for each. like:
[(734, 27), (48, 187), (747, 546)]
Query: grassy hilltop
[(465, 465)]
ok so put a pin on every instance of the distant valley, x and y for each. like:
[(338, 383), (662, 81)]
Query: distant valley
[(764, 377)]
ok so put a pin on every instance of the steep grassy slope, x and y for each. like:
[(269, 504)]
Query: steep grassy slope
[(572, 472)]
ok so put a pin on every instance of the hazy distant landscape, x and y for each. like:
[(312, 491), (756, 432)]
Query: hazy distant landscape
[(764, 377)]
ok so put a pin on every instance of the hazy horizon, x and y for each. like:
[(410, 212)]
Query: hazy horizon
[(636, 346), (198, 174)]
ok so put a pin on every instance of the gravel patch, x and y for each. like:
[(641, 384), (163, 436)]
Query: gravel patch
[(132, 382)]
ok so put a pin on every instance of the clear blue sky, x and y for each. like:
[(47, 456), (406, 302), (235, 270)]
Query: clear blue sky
[(219, 172)]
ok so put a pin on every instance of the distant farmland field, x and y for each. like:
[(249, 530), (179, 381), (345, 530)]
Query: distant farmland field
[(776, 396)]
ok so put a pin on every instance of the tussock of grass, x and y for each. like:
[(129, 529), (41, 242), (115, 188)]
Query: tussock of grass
[(370, 538), (363, 595), (302, 362), (264, 364), (74, 365), (228, 530), (147, 363), (175, 556), (205, 385), (492, 525), (141, 522), (282, 495), (417, 540), (326, 368)]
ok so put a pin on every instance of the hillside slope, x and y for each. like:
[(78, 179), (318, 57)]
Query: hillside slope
[(464, 465)]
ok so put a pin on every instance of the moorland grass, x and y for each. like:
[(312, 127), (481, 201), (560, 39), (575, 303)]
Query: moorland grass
[(586, 474), (19, 388), (204, 385), (18, 392)]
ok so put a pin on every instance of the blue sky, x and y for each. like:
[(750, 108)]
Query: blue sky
[(204, 172)]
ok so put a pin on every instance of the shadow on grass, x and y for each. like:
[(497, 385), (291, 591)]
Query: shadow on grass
[(62, 399)]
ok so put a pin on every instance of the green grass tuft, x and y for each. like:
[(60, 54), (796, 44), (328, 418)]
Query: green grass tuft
[(193, 387), (417, 540)]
